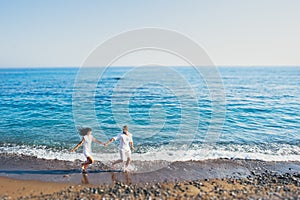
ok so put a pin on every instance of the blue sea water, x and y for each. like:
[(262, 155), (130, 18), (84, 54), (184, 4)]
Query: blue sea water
[(261, 119)]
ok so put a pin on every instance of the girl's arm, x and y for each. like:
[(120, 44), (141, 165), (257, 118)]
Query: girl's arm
[(95, 140), (78, 145)]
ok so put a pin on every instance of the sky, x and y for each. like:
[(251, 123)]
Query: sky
[(51, 33)]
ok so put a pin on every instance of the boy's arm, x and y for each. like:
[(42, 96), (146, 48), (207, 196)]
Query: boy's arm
[(78, 145), (131, 145), (110, 141)]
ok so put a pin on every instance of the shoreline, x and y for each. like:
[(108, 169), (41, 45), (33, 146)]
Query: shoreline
[(210, 178), (32, 168)]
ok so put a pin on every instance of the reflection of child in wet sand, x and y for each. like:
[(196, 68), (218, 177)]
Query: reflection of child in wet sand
[(127, 178), (87, 140), (85, 179), (125, 147)]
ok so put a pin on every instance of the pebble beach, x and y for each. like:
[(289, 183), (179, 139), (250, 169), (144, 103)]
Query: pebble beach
[(265, 186)]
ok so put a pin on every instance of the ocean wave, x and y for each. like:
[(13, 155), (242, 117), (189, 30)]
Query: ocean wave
[(196, 152)]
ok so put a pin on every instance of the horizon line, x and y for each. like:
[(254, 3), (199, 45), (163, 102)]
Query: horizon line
[(66, 66)]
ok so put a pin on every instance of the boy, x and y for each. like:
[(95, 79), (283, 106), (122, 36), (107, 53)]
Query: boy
[(125, 147)]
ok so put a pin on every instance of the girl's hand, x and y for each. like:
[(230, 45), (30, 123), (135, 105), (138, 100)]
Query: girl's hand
[(72, 150)]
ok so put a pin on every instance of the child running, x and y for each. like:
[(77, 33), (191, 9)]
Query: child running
[(87, 140), (125, 147)]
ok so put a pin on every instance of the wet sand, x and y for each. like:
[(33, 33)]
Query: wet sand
[(33, 178), (25, 188)]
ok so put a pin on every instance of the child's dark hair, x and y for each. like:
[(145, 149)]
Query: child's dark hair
[(83, 130)]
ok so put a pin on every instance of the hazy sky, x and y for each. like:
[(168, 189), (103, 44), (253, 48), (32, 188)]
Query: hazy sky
[(233, 32)]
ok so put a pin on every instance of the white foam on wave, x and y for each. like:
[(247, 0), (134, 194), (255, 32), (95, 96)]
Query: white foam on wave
[(40, 152), (216, 153), (281, 152), (50, 154)]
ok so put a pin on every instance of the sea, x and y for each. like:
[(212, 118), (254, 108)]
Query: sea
[(170, 113)]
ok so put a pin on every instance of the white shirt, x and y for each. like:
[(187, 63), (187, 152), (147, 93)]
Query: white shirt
[(87, 145), (124, 141)]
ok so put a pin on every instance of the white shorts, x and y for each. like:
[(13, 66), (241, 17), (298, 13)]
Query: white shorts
[(87, 154), (124, 154)]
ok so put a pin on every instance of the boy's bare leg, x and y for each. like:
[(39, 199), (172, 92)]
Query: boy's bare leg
[(116, 162), (127, 162)]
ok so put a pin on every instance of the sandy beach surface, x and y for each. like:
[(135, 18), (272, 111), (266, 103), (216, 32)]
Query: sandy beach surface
[(25, 177)]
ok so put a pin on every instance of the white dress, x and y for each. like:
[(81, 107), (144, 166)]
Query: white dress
[(87, 145)]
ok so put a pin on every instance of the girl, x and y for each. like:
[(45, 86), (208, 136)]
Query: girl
[(87, 142)]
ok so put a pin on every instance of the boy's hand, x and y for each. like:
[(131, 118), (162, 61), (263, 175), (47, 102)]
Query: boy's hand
[(106, 143), (72, 150)]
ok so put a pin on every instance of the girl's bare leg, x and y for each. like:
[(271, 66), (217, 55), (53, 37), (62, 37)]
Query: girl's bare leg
[(89, 160)]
